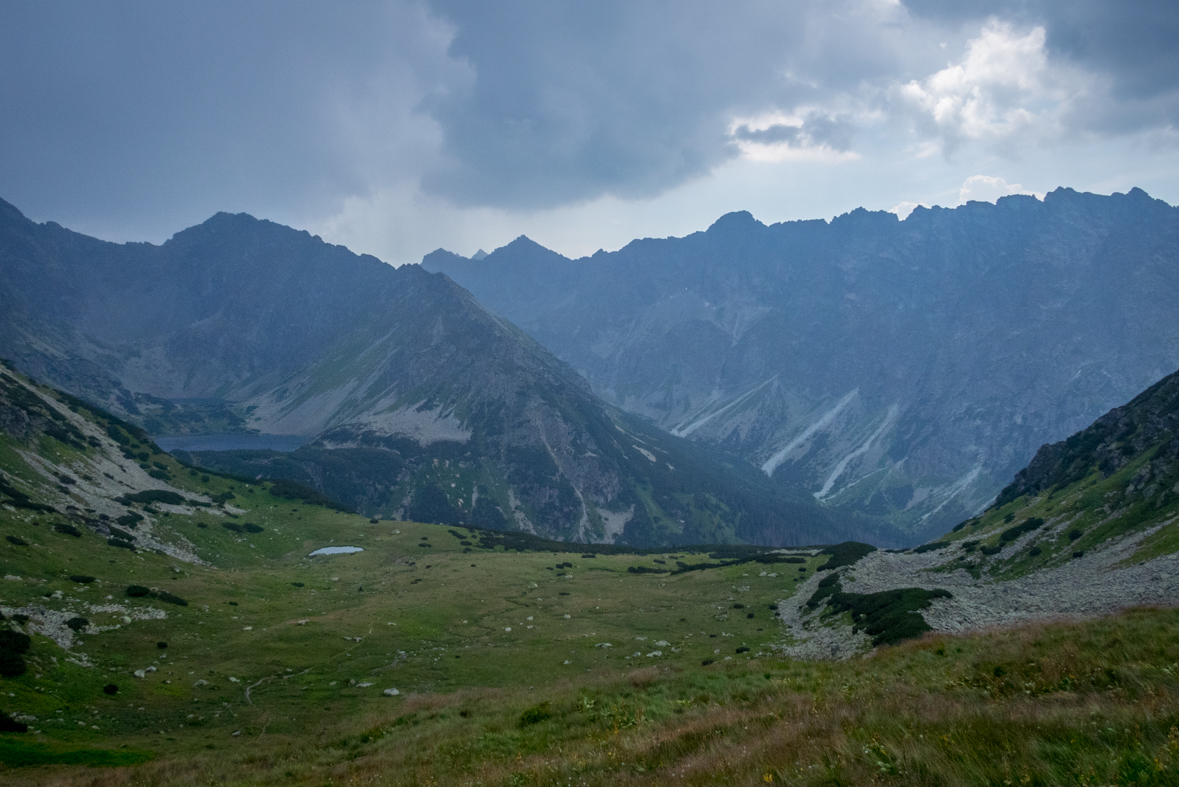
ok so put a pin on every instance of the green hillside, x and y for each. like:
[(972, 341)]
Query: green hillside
[(180, 633)]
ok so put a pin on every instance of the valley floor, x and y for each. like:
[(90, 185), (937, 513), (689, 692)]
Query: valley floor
[(179, 632)]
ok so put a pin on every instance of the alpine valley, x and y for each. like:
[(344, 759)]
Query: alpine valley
[(421, 404), (164, 625)]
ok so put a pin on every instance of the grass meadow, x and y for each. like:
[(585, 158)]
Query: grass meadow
[(533, 667)]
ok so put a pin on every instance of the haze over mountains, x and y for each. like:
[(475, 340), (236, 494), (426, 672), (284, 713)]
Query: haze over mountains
[(425, 405), (897, 369)]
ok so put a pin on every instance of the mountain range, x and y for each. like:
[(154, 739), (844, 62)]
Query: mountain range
[(902, 370), (422, 404)]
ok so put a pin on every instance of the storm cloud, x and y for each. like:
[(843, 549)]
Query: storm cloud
[(133, 119)]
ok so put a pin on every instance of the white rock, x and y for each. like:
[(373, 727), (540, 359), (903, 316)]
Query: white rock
[(391, 692), (363, 685), (655, 653), (139, 673)]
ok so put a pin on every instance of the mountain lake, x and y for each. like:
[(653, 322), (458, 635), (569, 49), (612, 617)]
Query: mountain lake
[(232, 442)]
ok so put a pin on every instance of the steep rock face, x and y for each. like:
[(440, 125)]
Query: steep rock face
[(1148, 423), (903, 370), (424, 403)]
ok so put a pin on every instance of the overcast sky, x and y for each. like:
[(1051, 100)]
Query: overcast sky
[(398, 127)]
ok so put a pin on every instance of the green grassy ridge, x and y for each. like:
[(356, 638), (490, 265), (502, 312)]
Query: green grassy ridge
[(1149, 423), (1093, 511)]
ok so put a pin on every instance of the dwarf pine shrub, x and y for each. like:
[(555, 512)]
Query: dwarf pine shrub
[(13, 646), (535, 714)]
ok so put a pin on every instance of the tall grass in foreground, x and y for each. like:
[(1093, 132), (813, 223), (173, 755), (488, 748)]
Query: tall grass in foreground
[(1065, 703)]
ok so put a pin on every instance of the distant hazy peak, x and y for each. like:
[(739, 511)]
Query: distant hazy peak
[(479, 255), (737, 221), (525, 249), (862, 217)]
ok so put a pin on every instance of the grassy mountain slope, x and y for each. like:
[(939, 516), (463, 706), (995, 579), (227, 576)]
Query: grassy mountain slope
[(237, 658), (1090, 526), (424, 403), (899, 369)]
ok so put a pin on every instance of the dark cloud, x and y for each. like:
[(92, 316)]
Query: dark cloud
[(168, 112), (129, 118), (573, 100), (631, 97), (818, 130)]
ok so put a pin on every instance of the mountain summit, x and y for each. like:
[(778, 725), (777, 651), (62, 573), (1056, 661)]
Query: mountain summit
[(897, 369), (422, 403)]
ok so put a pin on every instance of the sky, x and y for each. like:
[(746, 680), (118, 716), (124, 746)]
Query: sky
[(395, 127)]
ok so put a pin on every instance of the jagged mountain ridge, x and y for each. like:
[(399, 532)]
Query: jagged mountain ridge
[(422, 400), (902, 369)]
